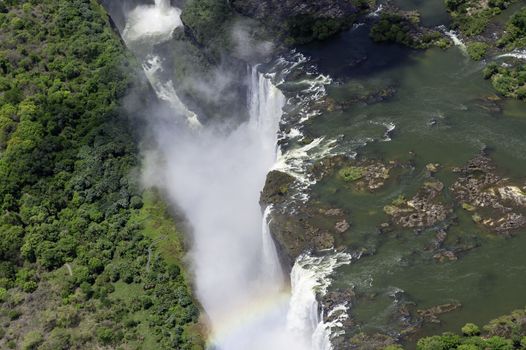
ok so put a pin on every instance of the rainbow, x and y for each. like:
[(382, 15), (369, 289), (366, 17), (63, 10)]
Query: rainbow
[(250, 313)]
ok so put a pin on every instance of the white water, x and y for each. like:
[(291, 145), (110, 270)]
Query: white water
[(310, 277), (456, 40), (519, 54), (270, 267), (216, 178), (152, 22)]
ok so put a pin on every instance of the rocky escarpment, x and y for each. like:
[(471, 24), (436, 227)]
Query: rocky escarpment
[(277, 10), (300, 21)]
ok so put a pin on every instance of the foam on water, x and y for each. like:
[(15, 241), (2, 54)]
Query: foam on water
[(165, 90), (310, 279), (455, 38), (519, 54), (154, 23)]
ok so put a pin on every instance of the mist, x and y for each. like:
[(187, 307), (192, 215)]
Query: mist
[(214, 173)]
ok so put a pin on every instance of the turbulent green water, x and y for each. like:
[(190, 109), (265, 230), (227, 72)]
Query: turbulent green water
[(442, 115)]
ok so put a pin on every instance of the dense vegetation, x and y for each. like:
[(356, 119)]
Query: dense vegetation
[(508, 81), (515, 34), (306, 28), (211, 20), (477, 50), (404, 28), (86, 260), (473, 16), (504, 333), (206, 19), (394, 28)]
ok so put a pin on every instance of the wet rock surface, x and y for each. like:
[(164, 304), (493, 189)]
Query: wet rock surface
[(306, 228), (425, 209), (431, 314), (276, 188), (362, 96), (495, 202), (361, 175), (478, 188), (363, 341)]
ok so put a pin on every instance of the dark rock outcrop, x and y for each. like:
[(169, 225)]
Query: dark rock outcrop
[(276, 10)]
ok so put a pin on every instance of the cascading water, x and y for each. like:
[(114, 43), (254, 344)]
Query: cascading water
[(270, 267), (154, 23), (146, 26), (216, 178), (519, 54), (454, 38)]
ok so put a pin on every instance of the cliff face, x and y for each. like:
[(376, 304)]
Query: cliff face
[(301, 21), (278, 9)]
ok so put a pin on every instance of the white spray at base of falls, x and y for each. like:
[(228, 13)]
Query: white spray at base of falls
[(215, 178), (146, 26), (153, 23)]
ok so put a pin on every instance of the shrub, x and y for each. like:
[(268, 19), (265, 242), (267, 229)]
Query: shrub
[(3, 295), (439, 342), (394, 28), (477, 50), (498, 343), (468, 347), (59, 339), (29, 286), (470, 329), (32, 340)]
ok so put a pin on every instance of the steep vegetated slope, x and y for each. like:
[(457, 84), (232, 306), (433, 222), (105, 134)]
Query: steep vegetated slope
[(86, 260)]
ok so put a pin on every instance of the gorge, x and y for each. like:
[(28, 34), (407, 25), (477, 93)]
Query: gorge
[(227, 175), (238, 275)]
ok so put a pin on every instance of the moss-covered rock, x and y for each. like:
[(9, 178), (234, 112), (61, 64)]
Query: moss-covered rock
[(352, 173), (276, 188)]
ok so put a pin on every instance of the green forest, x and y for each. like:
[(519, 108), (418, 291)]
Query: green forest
[(89, 258), (86, 259)]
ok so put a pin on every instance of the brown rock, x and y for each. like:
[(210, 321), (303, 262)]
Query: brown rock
[(342, 226)]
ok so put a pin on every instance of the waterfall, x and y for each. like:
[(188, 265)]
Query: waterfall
[(147, 26), (215, 178), (162, 4), (519, 54), (454, 38), (310, 278), (270, 265), (165, 90)]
